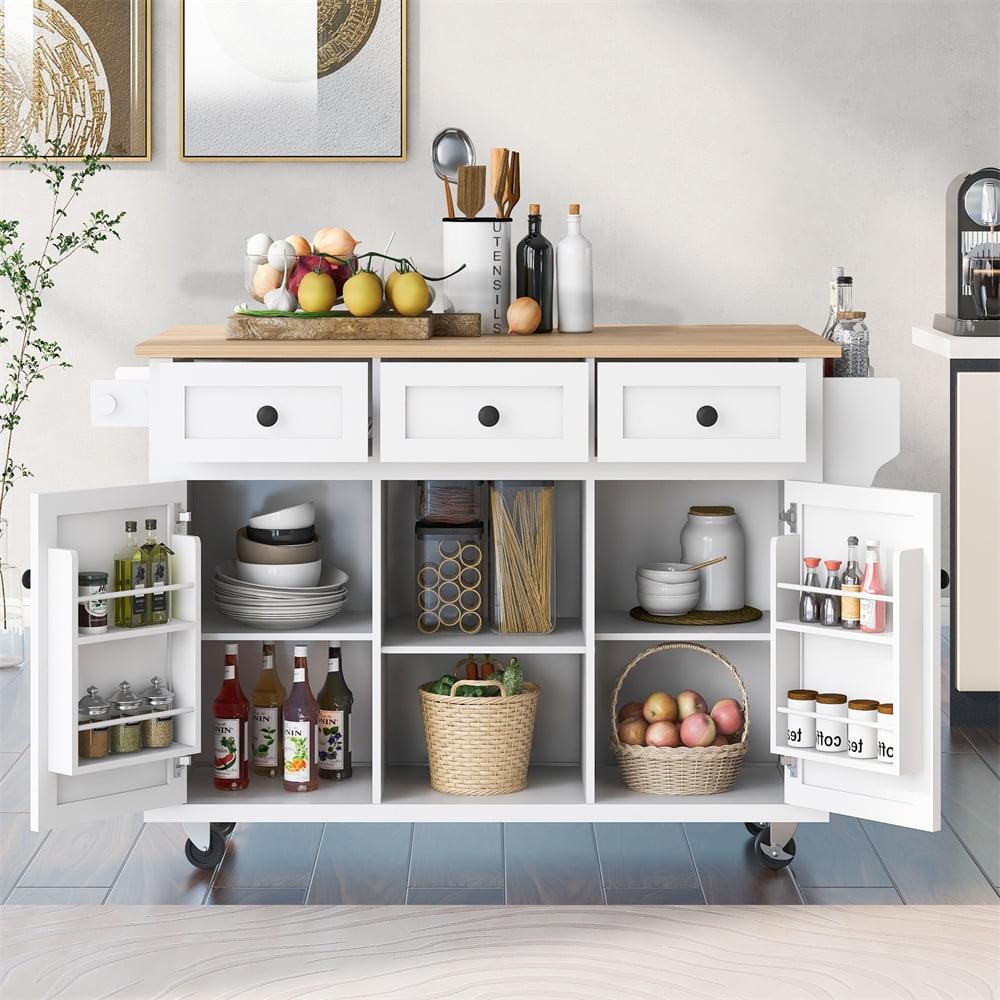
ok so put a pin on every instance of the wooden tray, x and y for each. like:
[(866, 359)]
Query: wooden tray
[(240, 326), (706, 618)]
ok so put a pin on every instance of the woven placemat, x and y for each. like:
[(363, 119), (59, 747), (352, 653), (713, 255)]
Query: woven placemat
[(738, 617)]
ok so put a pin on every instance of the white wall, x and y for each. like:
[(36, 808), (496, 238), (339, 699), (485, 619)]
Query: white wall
[(726, 155)]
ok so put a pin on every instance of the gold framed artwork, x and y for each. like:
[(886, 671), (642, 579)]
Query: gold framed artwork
[(293, 80), (76, 72)]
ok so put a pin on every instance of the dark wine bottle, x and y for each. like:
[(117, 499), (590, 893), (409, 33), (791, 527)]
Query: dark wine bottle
[(536, 268)]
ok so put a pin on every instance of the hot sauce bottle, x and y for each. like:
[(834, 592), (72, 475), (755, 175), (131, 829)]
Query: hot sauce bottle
[(231, 712)]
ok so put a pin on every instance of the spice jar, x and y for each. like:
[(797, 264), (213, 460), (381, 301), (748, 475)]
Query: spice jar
[(157, 698), (126, 737), (801, 729), (92, 615), (886, 734), (92, 707), (861, 740), (831, 724)]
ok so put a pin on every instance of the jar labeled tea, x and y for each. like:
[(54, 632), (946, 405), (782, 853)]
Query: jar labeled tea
[(801, 729), (157, 698), (831, 724), (126, 737), (93, 743), (861, 740), (886, 734)]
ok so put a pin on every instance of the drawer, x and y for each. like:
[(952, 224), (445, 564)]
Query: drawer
[(495, 411), (259, 412), (701, 411)]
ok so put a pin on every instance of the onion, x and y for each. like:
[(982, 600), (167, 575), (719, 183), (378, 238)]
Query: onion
[(334, 241), (523, 315)]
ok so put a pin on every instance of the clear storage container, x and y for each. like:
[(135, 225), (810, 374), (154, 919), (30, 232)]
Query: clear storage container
[(93, 743), (126, 737), (451, 578), (522, 527), (158, 698), (449, 501)]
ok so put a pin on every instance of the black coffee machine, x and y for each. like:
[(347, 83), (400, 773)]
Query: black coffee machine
[(973, 256)]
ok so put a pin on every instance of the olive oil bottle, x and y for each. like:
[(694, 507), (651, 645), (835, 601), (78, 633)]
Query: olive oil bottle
[(335, 700), (157, 574), (130, 574), (265, 718)]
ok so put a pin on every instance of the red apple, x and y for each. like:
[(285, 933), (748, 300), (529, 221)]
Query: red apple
[(720, 741), (690, 703), (728, 716), (698, 730), (659, 706), (663, 734), (630, 710), (633, 732)]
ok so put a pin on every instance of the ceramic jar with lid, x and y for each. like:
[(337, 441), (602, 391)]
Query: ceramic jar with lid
[(801, 729), (886, 734), (126, 737), (93, 743), (831, 722), (157, 698), (711, 532), (862, 739)]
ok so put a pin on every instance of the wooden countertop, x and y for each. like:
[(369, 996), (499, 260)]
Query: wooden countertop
[(603, 342)]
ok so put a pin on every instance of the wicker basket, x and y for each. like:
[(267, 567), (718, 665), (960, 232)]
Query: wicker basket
[(479, 746), (679, 770)]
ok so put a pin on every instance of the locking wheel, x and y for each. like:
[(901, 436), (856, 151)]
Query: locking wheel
[(771, 856)]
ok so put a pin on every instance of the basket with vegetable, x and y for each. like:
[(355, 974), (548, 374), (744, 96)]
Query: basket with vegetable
[(478, 729)]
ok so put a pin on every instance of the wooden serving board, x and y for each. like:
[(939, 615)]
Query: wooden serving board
[(240, 326)]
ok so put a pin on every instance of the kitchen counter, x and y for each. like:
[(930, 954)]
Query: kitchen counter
[(646, 342)]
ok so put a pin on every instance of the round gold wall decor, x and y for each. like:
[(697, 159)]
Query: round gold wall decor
[(343, 27)]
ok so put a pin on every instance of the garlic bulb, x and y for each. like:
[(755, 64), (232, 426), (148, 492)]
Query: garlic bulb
[(280, 300)]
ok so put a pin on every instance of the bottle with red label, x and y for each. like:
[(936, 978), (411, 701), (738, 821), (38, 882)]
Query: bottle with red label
[(231, 713), (300, 718)]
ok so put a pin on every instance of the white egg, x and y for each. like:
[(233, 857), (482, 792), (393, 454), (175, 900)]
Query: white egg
[(279, 253), (258, 245)]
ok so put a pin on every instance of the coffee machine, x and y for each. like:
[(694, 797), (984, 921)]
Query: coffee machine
[(973, 256)]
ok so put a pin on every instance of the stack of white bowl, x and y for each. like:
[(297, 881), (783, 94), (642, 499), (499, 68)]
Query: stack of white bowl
[(667, 588)]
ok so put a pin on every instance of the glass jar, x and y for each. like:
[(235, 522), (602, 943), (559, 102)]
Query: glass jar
[(451, 578), (449, 501), (93, 743), (11, 607), (831, 724), (522, 547), (711, 532), (801, 729), (157, 698), (125, 737), (92, 615), (886, 734), (852, 335)]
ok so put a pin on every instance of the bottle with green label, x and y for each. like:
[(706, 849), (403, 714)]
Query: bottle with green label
[(265, 718), (335, 700), (157, 575), (130, 574)]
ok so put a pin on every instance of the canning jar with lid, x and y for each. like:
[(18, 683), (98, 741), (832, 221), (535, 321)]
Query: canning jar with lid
[(92, 615), (125, 737), (158, 698), (93, 743), (711, 532), (886, 733), (801, 729), (831, 724)]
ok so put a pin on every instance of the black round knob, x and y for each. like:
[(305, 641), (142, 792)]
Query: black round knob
[(267, 416), (26, 579), (489, 416), (707, 415)]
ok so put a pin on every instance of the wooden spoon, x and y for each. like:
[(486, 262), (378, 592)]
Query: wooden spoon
[(498, 176), (702, 565), (471, 190)]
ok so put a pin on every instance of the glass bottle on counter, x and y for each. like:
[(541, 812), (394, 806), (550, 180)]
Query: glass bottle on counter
[(809, 601), (130, 574), (850, 583), (157, 574), (852, 335), (872, 612), (335, 701), (575, 277), (829, 609), (841, 293), (300, 716), (535, 268), (265, 717), (231, 712)]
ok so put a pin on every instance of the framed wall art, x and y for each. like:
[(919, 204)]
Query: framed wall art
[(76, 72), (293, 80)]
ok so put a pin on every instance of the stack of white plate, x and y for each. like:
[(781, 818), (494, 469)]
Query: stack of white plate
[(270, 607)]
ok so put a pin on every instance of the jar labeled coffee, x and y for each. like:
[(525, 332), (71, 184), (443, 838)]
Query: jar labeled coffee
[(801, 729), (831, 724), (92, 616), (886, 734), (862, 739), (157, 732), (93, 743)]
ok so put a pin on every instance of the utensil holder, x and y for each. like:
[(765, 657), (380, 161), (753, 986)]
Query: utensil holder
[(483, 286)]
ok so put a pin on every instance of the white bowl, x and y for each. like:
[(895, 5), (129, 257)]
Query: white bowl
[(668, 572), (302, 515), (666, 589), (680, 605), (294, 575)]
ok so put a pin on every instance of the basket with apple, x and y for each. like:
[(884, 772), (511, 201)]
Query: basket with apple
[(669, 745)]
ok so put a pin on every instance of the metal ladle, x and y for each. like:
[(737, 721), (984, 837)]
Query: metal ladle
[(452, 148)]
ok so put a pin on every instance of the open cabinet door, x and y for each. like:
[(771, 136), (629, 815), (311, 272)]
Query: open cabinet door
[(899, 666), (82, 530)]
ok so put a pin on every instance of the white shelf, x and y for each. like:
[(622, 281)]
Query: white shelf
[(885, 598), (838, 759), (167, 588), (116, 760), (402, 636), (348, 626), (856, 635), (114, 632), (948, 346), (168, 713), (620, 626)]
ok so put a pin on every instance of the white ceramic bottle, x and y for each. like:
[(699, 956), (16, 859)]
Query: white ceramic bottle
[(574, 278)]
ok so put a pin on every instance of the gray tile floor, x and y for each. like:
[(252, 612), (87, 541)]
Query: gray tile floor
[(845, 861)]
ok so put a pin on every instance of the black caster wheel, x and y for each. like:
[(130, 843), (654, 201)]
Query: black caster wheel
[(774, 858), (754, 828), (224, 828), (206, 860)]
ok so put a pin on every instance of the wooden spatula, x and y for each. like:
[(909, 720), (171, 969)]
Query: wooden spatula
[(471, 190), (498, 176), (512, 194)]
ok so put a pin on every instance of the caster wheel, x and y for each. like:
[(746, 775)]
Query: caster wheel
[(224, 828), (206, 860), (774, 858), (754, 828)]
